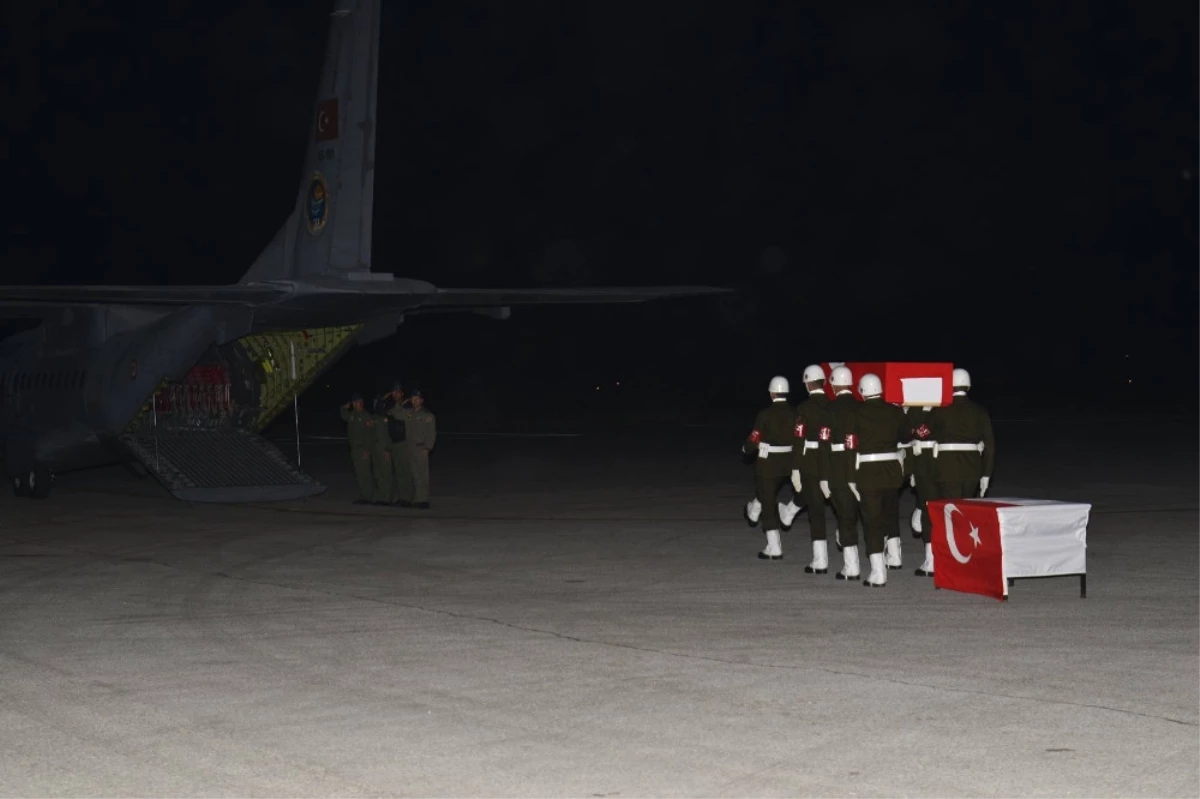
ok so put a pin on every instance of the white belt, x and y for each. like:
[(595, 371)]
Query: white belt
[(811, 445), (876, 457), (921, 446), (837, 447), (957, 448), (905, 445), (766, 449)]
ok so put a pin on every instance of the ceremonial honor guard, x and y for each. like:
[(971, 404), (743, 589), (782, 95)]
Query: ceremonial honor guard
[(771, 439)]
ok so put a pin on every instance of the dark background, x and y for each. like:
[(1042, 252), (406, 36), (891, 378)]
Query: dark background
[(1008, 187)]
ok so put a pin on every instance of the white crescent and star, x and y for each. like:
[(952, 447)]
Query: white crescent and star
[(322, 122), (948, 517)]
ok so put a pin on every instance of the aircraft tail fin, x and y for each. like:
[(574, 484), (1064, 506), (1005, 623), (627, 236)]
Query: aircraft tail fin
[(329, 231)]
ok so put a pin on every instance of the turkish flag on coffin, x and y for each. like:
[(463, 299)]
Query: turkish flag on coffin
[(978, 544), (904, 383), (967, 552)]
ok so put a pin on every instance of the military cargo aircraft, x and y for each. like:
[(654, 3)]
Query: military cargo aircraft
[(183, 379)]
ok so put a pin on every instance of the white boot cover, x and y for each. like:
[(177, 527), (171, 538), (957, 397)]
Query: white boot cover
[(893, 553), (773, 550), (927, 566), (788, 512), (850, 569), (820, 561), (878, 575)]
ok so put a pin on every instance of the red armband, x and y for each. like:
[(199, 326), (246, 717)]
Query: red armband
[(922, 432), (851, 441), (824, 434), (799, 429), (755, 436)]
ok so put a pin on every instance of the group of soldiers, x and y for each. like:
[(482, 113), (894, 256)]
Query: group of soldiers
[(859, 456), (390, 446)]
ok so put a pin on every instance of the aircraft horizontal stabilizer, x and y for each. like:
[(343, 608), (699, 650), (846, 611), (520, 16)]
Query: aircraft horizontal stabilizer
[(365, 297), (58, 296), (489, 298)]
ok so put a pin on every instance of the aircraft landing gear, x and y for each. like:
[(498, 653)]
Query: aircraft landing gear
[(35, 483)]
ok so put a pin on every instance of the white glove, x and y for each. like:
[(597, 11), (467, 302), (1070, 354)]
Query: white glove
[(912, 480), (854, 490), (796, 480), (983, 485), (825, 488)]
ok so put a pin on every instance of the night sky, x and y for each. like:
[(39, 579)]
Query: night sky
[(1009, 187)]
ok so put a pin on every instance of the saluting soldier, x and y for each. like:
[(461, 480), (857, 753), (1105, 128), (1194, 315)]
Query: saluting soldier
[(835, 483), (361, 435), (381, 455), (812, 416), (421, 435), (771, 439), (964, 451), (874, 462), (398, 415)]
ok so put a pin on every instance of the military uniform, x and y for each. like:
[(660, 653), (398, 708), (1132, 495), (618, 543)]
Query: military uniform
[(421, 435), (360, 430), (920, 461), (772, 437), (964, 448), (874, 462), (812, 416), (399, 415), (381, 457), (837, 474)]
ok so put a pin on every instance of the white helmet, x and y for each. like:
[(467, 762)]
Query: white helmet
[(962, 378), (813, 372), (842, 377), (869, 385), (779, 385)]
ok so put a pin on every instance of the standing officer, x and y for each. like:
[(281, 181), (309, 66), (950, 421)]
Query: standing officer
[(421, 435), (964, 451), (875, 437), (398, 416), (381, 455), (361, 434), (772, 437), (812, 416), (837, 474)]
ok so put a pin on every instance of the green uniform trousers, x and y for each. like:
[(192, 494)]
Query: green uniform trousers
[(924, 492), (845, 510), (814, 500), (402, 471), (418, 464), (766, 491), (381, 464), (362, 473), (881, 517)]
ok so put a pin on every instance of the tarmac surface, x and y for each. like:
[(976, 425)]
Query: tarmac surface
[(585, 616)]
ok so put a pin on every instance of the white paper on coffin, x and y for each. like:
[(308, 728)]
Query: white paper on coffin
[(1043, 538), (921, 390)]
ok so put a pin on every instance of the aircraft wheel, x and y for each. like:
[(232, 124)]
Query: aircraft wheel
[(41, 480), (20, 485)]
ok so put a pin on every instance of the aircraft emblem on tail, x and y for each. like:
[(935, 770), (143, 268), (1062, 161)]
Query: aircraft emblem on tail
[(317, 205)]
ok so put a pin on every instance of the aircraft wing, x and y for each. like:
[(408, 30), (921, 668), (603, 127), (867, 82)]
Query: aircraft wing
[(330, 301)]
